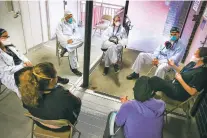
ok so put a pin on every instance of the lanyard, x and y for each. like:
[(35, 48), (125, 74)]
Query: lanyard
[(116, 31)]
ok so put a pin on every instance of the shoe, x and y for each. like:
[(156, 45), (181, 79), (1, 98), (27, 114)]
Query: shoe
[(133, 76), (76, 72), (116, 68), (63, 51), (106, 70), (62, 80)]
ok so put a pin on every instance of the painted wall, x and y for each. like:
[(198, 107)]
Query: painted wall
[(148, 20), (199, 36), (12, 25), (34, 22), (56, 13)]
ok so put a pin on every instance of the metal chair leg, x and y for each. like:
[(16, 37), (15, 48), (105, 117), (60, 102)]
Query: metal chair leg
[(77, 54), (32, 129), (94, 32)]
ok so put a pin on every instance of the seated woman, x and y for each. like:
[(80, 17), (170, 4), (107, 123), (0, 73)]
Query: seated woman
[(142, 117), (114, 38), (188, 81), (11, 61), (43, 98)]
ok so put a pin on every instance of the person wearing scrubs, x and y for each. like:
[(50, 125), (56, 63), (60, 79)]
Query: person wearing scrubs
[(172, 49), (11, 61), (114, 38), (188, 81), (70, 39)]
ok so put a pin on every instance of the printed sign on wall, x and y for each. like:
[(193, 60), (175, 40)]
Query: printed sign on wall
[(196, 5)]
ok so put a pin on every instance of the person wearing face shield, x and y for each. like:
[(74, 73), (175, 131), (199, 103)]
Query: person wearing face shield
[(188, 81), (70, 39), (171, 50), (11, 61), (114, 38)]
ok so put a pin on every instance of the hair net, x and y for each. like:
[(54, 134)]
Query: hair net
[(67, 13)]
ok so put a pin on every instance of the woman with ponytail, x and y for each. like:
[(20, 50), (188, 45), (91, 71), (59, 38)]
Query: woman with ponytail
[(43, 98)]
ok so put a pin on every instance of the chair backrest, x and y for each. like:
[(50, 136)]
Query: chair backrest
[(107, 17), (55, 124)]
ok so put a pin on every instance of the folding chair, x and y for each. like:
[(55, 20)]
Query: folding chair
[(39, 132), (102, 25), (59, 48), (2, 90), (186, 106)]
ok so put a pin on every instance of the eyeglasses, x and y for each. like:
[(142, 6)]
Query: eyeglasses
[(5, 36)]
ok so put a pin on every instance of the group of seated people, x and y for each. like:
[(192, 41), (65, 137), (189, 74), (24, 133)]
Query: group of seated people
[(37, 85)]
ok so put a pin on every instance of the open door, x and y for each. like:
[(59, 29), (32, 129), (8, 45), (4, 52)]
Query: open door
[(10, 19)]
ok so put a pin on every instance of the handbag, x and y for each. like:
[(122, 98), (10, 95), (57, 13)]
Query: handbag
[(114, 39)]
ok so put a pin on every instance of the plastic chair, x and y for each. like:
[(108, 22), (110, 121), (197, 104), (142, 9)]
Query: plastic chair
[(59, 48), (39, 132), (102, 25)]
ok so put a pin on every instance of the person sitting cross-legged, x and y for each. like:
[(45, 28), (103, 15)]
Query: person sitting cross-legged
[(172, 49)]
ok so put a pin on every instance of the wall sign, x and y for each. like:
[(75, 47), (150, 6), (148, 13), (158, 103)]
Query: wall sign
[(196, 5)]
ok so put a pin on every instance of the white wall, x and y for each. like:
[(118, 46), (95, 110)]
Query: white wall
[(56, 13), (12, 25), (44, 21), (31, 19)]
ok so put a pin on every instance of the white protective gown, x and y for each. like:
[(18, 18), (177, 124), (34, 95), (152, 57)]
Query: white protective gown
[(111, 55), (8, 68), (65, 32)]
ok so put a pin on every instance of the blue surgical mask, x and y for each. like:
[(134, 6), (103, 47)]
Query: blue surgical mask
[(173, 38), (70, 20)]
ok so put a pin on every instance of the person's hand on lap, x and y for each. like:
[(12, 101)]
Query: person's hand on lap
[(155, 62), (70, 41)]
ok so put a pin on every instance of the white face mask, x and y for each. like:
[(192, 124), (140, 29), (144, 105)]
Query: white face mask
[(6, 42), (117, 23), (195, 59)]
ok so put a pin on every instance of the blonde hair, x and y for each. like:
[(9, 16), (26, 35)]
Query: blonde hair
[(34, 80)]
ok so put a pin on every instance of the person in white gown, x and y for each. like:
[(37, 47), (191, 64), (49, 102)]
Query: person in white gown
[(70, 39), (11, 61), (114, 38)]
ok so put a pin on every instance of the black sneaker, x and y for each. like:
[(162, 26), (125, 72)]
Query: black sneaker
[(63, 51), (132, 76), (76, 72), (116, 68), (106, 70), (62, 80)]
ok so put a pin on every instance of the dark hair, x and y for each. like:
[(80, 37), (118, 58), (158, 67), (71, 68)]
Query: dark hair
[(142, 89), (1, 45), (203, 53)]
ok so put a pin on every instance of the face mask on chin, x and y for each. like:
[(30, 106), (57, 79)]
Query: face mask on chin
[(6, 42)]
